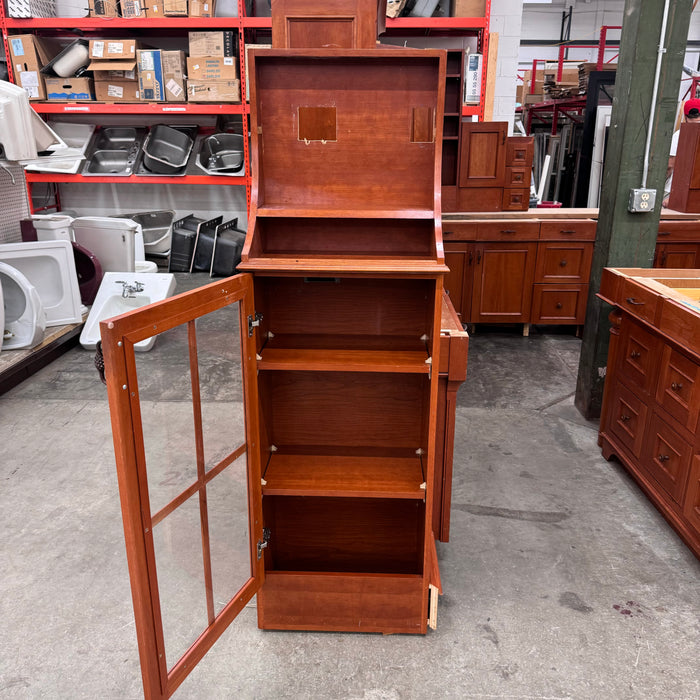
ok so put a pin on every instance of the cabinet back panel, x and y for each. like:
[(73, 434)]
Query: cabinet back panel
[(376, 159), (344, 534), (364, 307), (351, 409), (291, 236)]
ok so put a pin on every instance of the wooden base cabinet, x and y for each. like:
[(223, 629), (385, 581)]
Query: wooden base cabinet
[(349, 409), (651, 405)]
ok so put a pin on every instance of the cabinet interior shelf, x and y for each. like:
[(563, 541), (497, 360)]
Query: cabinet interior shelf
[(336, 213), (334, 264), (350, 476), (342, 360)]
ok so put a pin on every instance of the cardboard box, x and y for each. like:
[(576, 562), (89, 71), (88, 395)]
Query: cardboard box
[(469, 8), (213, 90), (154, 8), (112, 49), (175, 8), (472, 78), (173, 63), (212, 68), (150, 70), (212, 44), (202, 8), (69, 89), (113, 70), (132, 8), (103, 8), (117, 91), (29, 54)]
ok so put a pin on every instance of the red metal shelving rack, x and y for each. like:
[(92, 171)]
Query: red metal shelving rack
[(242, 23)]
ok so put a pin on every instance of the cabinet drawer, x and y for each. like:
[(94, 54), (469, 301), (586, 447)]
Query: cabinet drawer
[(517, 176), (678, 391), (520, 150), (458, 230), (639, 357), (639, 301), (559, 303), (505, 230), (691, 505), (568, 230), (678, 231), (627, 419), (564, 262), (667, 458), (516, 199)]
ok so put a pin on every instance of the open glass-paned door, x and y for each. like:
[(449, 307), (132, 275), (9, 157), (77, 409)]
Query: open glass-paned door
[(184, 416)]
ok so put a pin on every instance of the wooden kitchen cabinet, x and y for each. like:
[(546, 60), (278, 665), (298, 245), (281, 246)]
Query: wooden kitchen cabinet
[(677, 255), (501, 272), (459, 258), (649, 418), (349, 410)]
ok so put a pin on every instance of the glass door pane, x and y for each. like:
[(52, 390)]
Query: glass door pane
[(190, 489)]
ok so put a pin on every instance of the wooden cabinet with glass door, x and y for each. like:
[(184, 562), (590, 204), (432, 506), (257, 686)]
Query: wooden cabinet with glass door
[(341, 305)]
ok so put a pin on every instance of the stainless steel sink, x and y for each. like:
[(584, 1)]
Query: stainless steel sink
[(221, 154), (166, 150), (118, 138), (110, 162), (157, 229)]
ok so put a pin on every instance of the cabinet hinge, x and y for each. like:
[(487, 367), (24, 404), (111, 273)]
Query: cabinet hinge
[(262, 544), (253, 322)]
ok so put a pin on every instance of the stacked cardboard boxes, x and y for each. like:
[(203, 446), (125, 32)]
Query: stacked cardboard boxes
[(29, 54), (161, 75), (212, 73), (113, 65)]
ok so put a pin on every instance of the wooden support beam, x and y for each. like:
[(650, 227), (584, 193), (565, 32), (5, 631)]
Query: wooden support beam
[(624, 239)]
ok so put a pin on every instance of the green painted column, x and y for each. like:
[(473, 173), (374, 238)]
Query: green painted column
[(624, 239)]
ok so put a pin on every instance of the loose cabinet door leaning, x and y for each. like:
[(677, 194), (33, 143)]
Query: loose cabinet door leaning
[(188, 470), (482, 157)]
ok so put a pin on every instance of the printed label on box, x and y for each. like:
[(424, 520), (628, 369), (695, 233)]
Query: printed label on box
[(228, 61), (115, 91), (98, 49), (174, 88), (17, 47), (147, 62), (29, 79), (115, 47)]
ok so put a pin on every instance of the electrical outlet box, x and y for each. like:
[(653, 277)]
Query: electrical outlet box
[(641, 201)]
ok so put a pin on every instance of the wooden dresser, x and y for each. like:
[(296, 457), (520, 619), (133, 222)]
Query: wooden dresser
[(651, 404)]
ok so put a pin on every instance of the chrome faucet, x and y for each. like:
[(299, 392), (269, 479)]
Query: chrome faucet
[(128, 290)]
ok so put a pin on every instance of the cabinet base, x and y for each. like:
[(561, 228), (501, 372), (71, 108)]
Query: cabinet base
[(335, 602), (671, 513)]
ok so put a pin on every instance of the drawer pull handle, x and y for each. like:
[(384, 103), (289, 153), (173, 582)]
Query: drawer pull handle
[(634, 302), (663, 458), (508, 230), (676, 386), (558, 305), (563, 263), (664, 233), (624, 418), (567, 231), (635, 354)]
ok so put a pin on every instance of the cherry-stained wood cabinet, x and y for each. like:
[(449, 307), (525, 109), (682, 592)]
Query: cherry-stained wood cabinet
[(482, 158), (341, 475), (651, 404)]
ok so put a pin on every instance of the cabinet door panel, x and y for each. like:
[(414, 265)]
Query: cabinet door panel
[(667, 458), (564, 262), (503, 277), (482, 154), (685, 256), (691, 506), (678, 390), (627, 419), (639, 357)]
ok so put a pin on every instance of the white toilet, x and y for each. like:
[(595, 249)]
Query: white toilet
[(24, 317), (116, 243), (121, 292)]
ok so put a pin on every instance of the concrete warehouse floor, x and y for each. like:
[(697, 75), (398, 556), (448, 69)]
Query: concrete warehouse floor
[(561, 580)]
